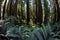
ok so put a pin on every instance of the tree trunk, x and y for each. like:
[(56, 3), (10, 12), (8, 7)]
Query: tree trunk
[(10, 11), (28, 19), (36, 12), (57, 9), (15, 8), (39, 12), (53, 11), (46, 11), (4, 8), (0, 9)]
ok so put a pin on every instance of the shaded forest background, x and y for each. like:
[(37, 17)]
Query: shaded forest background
[(31, 12), (29, 19)]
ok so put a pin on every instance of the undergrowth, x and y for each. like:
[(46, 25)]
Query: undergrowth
[(26, 32)]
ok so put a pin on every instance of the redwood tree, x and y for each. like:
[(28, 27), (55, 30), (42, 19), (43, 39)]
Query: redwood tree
[(28, 19), (38, 12), (57, 9), (4, 7), (0, 8)]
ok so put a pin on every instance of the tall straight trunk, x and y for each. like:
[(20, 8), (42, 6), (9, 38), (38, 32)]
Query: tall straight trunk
[(10, 11), (0, 9), (46, 11), (19, 11), (36, 12), (4, 8), (28, 19), (8, 8), (0, 12), (57, 9), (53, 11), (39, 12), (22, 16), (15, 8)]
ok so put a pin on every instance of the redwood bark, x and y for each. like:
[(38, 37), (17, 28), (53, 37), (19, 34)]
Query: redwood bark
[(28, 19)]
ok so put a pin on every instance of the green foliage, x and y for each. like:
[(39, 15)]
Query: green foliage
[(26, 32)]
